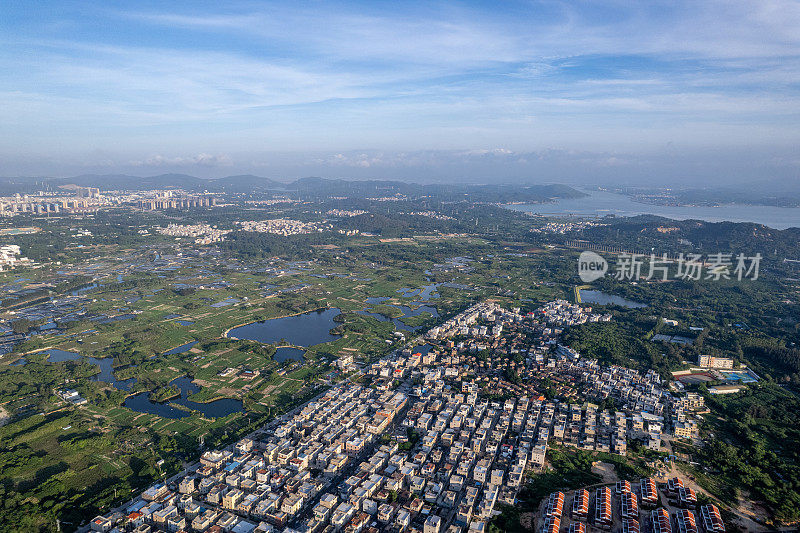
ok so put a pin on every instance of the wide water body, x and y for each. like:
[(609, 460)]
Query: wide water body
[(601, 203), (306, 329)]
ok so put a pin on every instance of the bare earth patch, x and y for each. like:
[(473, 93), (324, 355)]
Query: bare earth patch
[(605, 471)]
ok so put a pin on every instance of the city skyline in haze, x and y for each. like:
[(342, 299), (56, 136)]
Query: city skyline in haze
[(648, 93)]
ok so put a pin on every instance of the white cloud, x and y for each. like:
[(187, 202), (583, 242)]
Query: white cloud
[(199, 160), (405, 79)]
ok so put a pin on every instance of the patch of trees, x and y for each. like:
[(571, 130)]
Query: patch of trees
[(773, 354), (258, 245), (756, 449), (612, 343)]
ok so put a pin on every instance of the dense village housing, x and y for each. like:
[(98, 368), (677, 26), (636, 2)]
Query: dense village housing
[(423, 450)]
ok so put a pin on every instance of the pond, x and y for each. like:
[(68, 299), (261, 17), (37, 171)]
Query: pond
[(601, 298), (226, 302), (181, 349), (106, 374), (306, 329), (86, 288), (142, 403), (286, 353)]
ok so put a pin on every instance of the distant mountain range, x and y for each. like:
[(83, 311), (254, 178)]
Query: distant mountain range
[(307, 188)]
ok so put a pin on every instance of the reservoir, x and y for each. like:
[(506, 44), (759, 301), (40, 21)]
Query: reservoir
[(602, 203), (306, 329)]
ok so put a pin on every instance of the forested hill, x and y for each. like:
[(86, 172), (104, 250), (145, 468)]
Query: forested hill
[(644, 231)]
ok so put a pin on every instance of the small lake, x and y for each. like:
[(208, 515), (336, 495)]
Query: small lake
[(106, 374), (589, 296), (142, 403), (306, 329), (286, 353)]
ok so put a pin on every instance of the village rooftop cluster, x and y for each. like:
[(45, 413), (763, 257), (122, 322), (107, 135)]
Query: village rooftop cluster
[(201, 233), (422, 450), (283, 226), (630, 507)]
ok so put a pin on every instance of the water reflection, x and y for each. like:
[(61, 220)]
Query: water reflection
[(181, 349), (306, 329), (601, 298), (106, 374), (285, 353), (218, 408)]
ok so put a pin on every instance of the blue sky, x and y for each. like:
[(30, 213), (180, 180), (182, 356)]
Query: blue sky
[(540, 91)]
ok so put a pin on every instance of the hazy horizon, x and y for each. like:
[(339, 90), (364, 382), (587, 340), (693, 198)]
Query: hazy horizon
[(487, 168), (670, 94)]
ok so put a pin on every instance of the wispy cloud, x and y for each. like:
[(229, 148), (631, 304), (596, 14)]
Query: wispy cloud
[(199, 160), (401, 78)]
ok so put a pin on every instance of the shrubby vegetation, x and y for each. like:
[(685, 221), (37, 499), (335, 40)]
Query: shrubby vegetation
[(626, 344), (755, 447)]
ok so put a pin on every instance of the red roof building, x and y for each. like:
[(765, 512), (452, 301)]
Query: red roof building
[(659, 520), (630, 525), (649, 491), (686, 521), (580, 505), (555, 505), (629, 505), (712, 520), (602, 502)]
